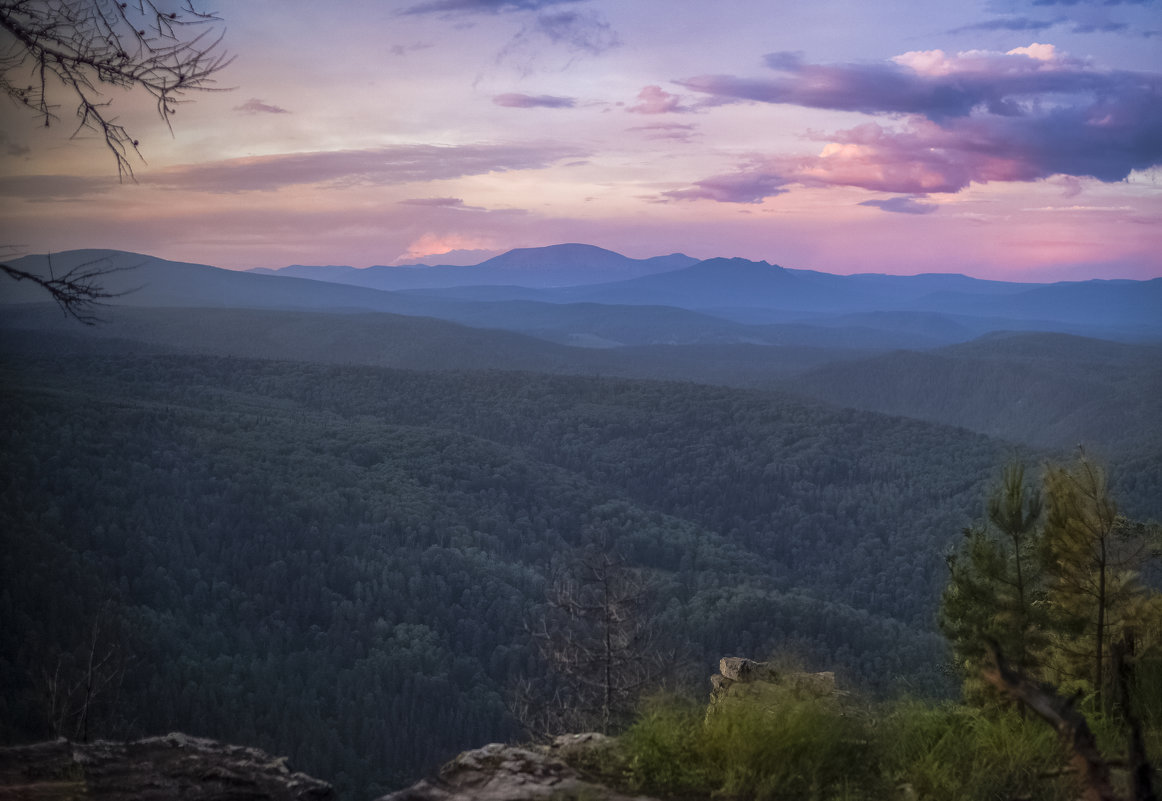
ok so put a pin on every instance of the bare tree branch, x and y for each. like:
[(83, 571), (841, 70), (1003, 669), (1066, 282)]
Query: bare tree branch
[(79, 292), (79, 46)]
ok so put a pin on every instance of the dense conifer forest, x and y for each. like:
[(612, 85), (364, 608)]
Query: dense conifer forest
[(339, 563)]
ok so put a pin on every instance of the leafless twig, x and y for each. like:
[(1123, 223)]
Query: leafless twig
[(79, 45)]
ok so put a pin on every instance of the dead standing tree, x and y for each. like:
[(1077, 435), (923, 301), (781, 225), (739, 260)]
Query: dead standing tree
[(597, 642), (84, 680)]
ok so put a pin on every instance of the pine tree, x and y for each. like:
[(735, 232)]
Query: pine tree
[(996, 587), (1092, 557)]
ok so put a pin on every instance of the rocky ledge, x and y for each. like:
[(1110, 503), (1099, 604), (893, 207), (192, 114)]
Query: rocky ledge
[(174, 766), (575, 767), (496, 772)]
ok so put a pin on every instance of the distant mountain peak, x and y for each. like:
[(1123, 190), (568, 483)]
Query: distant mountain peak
[(570, 254), (738, 261)]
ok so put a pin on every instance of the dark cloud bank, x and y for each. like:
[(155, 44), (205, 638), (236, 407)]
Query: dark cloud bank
[(974, 117)]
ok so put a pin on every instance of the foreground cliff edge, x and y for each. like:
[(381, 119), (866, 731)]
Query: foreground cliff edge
[(198, 769), (574, 767), (152, 769)]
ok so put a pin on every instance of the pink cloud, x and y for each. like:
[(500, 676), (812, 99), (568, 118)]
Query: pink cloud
[(439, 244), (655, 100)]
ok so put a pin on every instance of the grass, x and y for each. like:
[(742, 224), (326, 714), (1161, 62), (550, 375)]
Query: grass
[(794, 748), (787, 747)]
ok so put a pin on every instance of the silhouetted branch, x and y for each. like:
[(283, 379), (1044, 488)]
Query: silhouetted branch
[(78, 292), (82, 44)]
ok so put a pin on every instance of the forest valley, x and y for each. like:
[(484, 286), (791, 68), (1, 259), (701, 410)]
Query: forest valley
[(370, 569)]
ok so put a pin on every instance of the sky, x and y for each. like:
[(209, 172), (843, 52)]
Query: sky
[(1010, 139)]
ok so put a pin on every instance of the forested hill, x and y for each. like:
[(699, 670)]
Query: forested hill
[(336, 563), (1046, 390)]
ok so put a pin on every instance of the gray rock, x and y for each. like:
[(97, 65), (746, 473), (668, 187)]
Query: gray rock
[(499, 772), (742, 678), (153, 769)]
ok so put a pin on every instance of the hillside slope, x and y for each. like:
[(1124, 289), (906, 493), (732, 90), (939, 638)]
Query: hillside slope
[(1047, 390)]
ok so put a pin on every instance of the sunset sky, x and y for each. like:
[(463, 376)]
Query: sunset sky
[(1000, 138)]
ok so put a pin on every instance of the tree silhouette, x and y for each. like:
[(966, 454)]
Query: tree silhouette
[(77, 291), (596, 638), (79, 48)]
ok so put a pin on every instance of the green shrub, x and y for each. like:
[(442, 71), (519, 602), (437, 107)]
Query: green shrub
[(955, 752), (771, 743), (788, 748), (664, 751)]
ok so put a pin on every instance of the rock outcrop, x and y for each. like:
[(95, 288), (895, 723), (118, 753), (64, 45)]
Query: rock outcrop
[(153, 769), (568, 770), (738, 677)]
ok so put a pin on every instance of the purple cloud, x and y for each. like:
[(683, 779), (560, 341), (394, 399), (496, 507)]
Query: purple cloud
[(1009, 24), (586, 32), (671, 131), (373, 166), (255, 106), (1019, 116), (902, 205), (444, 202), (38, 188), (1108, 27), (743, 187), (655, 100), (516, 100), (929, 83), (483, 6), (1091, 2), (403, 50)]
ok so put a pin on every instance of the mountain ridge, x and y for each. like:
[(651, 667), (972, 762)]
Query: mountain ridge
[(904, 311)]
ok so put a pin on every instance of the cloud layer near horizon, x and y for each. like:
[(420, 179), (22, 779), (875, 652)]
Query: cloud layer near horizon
[(518, 100), (397, 164), (973, 117)]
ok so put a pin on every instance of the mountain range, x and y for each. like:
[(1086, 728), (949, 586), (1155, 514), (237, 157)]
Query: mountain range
[(553, 266), (1045, 364), (582, 295), (943, 348)]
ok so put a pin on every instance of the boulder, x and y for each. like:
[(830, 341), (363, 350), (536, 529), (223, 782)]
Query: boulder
[(738, 677)]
